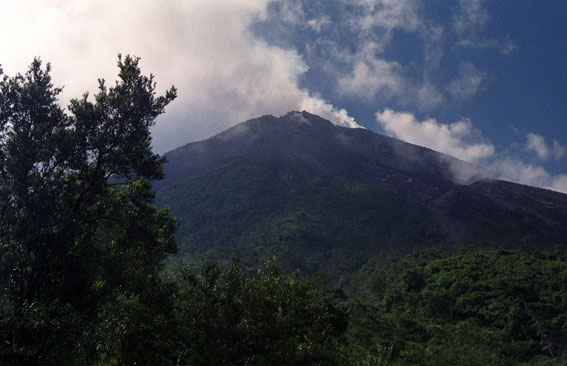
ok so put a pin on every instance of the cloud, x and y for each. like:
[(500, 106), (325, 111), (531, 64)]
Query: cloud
[(459, 139), (371, 76), (462, 140), (349, 54), (469, 82), (471, 17), (388, 15), (536, 143), (290, 11), (559, 183), (428, 97), (521, 172), (318, 23), (559, 151), (433, 37), (504, 47), (470, 21), (373, 24), (224, 74), (353, 50)]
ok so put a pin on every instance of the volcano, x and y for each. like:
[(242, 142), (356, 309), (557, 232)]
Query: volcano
[(321, 196)]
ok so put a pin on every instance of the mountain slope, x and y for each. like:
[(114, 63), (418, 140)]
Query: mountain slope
[(310, 224), (299, 144), (322, 196), (503, 211)]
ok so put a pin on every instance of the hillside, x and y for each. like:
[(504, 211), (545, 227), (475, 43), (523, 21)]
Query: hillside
[(311, 224), (321, 196)]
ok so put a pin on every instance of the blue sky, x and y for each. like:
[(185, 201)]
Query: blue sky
[(485, 81), (502, 65)]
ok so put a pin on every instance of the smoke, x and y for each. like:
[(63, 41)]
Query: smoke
[(224, 74)]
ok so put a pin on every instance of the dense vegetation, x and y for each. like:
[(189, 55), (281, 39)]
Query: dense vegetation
[(306, 224), (477, 307), (314, 223), (80, 241), (82, 249)]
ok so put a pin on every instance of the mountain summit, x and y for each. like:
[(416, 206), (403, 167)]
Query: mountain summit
[(298, 185), (300, 143)]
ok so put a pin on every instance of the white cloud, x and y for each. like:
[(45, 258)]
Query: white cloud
[(471, 17), (559, 151), (533, 175), (559, 183), (536, 143), (224, 75), (388, 14), (470, 21), (372, 76), (519, 171), (375, 21), (318, 23), (459, 139), (291, 11), (504, 47), (462, 140), (469, 82), (433, 37), (428, 97)]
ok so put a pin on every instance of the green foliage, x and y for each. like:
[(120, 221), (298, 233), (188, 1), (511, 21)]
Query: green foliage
[(78, 231), (136, 327), (268, 319), (309, 225), (479, 307)]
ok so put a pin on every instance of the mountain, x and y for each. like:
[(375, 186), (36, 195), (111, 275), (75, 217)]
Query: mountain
[(300, 144), (323, 196)]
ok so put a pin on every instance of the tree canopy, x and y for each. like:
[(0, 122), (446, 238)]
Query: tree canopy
[(77, 225)]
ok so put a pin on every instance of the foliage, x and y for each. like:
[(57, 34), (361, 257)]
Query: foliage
[(309, 225), (77, 228), (267, 319), (479, 307)]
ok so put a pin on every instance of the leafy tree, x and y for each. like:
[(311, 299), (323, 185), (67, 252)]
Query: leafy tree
[(269, 319), (475, 307), (78, 231)]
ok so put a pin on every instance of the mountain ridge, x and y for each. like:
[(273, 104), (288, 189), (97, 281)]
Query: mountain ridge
[(322, 172), (361, 154)]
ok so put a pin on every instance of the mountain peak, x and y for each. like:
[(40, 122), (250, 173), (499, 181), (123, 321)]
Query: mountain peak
[(300, 144), (299, 147), (296, 116), (341, 120)]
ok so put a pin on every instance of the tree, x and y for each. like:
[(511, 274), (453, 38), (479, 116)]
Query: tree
[(77, 227), (268, 319)]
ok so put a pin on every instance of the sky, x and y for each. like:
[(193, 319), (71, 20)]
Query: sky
[(484, 81)]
